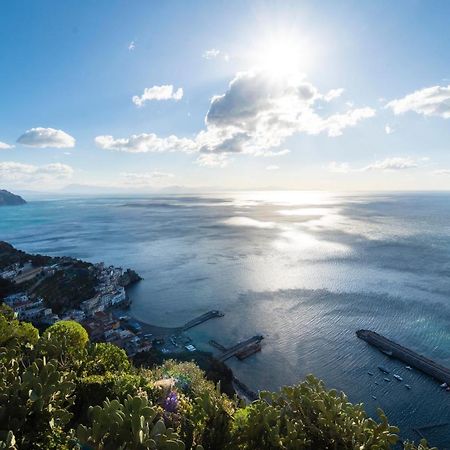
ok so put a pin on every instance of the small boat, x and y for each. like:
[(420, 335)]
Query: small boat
[(397, 377), (408, 367), (387, 352), (387, 379), (376, 382), (373, 396), (407, 386), (444, 385), (370, 373), (383, 369)]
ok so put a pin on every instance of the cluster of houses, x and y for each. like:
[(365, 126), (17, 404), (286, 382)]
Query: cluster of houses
[(94, 313), (29, 309)]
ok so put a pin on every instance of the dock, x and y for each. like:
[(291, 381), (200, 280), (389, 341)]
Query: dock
[(203, 318), (242, 349), (413, 359)]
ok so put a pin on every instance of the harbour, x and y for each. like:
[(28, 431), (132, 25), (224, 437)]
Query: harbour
[(413, 359)]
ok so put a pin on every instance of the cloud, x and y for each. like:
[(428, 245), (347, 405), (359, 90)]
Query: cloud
[(4, 146), (255, 116), (145, 178), (19, 173), (145, 143), (272, 167), (391, 164), (431, 101), (131, 46), (164, 92), (46, 137), (388, 129), (442, 172), (211, 53), (332, 94), (213, 160), (259, 111), (386, 165)]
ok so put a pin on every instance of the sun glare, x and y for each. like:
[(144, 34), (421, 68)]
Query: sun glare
[(283, 54)]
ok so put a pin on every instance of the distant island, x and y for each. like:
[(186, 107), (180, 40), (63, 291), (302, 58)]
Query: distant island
[(9, 199)]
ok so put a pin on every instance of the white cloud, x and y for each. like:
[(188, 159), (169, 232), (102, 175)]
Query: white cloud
[(145, 178), (145, 143), (213, 160), (258, 112), (211, 53), (131, 46), (272, 167), (332, 94), (388, 129), (386, 165), (442, 172), (46, 137), (391, 164), (19, 173), (164, 92), (431, 101), (4, 146)]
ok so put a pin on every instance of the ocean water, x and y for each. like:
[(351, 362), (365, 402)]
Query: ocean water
[(305, 269)]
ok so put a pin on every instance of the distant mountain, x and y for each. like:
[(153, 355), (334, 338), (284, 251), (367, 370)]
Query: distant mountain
[(9, 199)]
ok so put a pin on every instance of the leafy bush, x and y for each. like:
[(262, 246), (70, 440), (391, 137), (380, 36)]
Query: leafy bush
[(58, 392)]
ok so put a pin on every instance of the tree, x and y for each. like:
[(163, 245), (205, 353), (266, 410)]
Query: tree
[(65, 341), (13, 332), (104, 357)]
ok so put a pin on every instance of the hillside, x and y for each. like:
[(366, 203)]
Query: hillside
[(58, 391), (9, 199)]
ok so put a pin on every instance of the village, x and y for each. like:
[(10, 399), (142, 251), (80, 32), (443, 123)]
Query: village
[(97, 314)]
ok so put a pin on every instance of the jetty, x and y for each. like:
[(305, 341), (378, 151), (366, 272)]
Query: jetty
[(203, 318), (243, 349), (406, 355)]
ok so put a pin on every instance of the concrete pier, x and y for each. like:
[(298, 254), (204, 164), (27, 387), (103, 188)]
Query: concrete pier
[(203, 318), (406, 355), (241, 348)]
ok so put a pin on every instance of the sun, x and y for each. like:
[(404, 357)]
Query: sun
[(283, 55)]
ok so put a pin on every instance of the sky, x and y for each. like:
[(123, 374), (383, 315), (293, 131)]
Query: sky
[(224, 95)]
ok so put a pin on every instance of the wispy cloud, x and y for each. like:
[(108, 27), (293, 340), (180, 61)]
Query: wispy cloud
[(23, 174), (145, 143), (46, 137), (272, 167), (164, 92), (212, 53), (388, 129), (332, 94), (431, 101), (131, 46), (145, 178), (385, 165), (4, 146)]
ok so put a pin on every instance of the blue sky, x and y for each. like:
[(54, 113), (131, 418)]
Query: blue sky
[(347, 95)]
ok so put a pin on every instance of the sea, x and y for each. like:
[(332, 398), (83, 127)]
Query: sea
[(304, 269)]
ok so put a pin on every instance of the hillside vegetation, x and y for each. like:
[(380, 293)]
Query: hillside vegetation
[(59, 391)]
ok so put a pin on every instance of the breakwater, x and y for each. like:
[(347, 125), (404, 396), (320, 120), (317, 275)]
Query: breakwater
[(406, 355)]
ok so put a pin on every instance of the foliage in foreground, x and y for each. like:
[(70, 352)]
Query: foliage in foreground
[(58, 391)]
